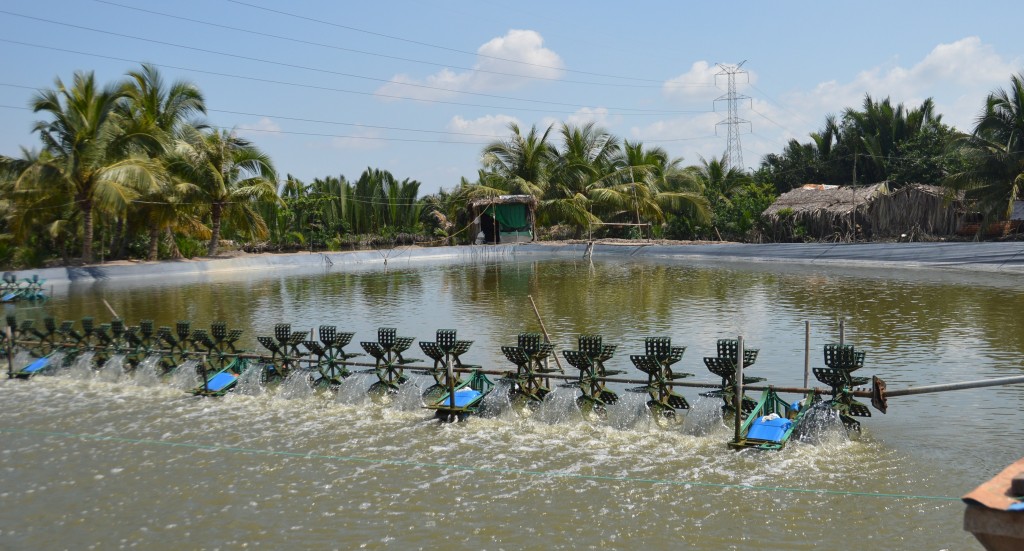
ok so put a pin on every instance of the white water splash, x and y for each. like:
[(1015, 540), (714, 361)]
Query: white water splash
[(821, 426), (352, 391), (410, 395), (81, 369), (250, 382), (21, 360), (149, 372), (112, 370), (497, 403), (630, 412), (295, 386), (185, 377), (559, 406), (704, 417)]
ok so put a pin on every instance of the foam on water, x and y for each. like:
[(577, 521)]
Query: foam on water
[(21, 360)]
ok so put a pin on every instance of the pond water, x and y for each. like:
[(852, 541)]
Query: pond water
[(108, 463)]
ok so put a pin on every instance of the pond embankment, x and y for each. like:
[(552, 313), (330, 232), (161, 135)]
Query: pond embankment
[(983, 257)]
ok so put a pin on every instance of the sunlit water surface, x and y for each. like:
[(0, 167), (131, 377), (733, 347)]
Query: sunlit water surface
[(105, 460)]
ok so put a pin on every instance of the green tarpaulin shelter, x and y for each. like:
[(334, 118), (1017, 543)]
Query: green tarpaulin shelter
[(503, 219)]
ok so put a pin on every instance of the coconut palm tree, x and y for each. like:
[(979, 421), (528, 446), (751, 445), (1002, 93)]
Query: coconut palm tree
[(522, 162), (228, 175), (995, 152), (91, 151), (587, 155), (165, 111), (645, 184)]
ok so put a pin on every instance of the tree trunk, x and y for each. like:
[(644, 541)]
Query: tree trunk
[(215, 215), (154, 241), (175, 251), (117, 243), (86, 206)]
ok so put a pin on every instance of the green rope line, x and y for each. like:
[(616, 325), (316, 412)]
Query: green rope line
[(469, 468)]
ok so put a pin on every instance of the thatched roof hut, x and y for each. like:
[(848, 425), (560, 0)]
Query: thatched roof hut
[(822, 212), (916, 208), (503, 219)]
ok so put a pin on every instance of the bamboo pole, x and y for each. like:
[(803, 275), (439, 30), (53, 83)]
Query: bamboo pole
[(738, 398), (545, 330), (10, 352), (807, 352), (842, 334)]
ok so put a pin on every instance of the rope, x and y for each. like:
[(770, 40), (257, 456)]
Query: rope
[(470, 468)]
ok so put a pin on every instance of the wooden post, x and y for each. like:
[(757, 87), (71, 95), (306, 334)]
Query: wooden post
[(451, 380), (807, 352), (738, 398), (842, 332), (10, 352)]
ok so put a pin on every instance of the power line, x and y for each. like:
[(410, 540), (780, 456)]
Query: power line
[(397, 58), (429, 45), (321, 70), (328, 88)]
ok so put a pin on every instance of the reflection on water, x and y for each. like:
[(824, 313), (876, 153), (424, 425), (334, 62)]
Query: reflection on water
[(103, 464)]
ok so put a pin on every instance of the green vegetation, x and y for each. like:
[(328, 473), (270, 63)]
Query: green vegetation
[(129, 170)]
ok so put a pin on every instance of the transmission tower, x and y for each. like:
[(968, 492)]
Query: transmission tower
[(733, 149)]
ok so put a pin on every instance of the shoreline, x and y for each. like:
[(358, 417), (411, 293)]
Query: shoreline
[(994, 257)]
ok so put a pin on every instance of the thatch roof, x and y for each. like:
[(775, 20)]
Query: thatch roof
[(835, 201), (528, 200), (823, 213)]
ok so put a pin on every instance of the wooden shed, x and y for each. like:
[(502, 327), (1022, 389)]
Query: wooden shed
[(503, 219)]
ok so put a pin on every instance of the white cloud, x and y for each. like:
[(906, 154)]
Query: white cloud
[(260, 128), (519, 54), (698, 82), (362, 139), (490, 125), (957, 75)]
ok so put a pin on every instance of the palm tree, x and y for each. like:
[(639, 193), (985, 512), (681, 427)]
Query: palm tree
[(165, 111), (90, 151), (878, 132), (521, 162), (588, 154), (228, 174), (995, 152), (646, 183)]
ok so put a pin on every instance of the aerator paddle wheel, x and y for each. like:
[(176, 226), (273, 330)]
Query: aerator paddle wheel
[(89, 340), (143, 341), (657, 361), (529, 386), (284, 350), (116, 342), (589, 360), (445, 352), (330, 355), (218, 345), (842, 360), (724, 365), (179, 344), (387, 353)]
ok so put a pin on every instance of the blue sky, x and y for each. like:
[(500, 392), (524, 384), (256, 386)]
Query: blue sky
[(418, 88)]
